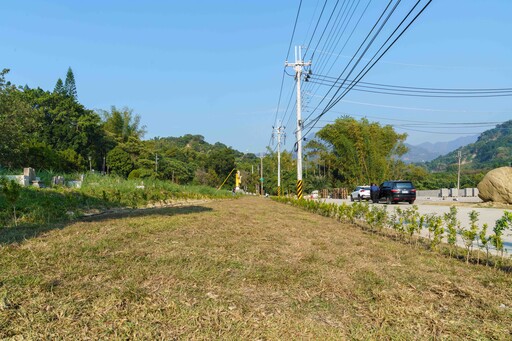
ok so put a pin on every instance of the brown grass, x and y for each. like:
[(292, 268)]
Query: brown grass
[(241, 269)]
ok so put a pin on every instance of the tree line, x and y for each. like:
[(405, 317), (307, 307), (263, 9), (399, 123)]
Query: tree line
[(52, 130)]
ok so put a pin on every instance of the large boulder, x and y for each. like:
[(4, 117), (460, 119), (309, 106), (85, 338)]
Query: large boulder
[(496, 186)]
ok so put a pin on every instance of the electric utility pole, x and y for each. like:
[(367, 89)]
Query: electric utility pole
[(297, 66), (279, 131), (261, 174), (156, 163), (459, 155)]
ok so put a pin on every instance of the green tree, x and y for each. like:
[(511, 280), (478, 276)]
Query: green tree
[(17, 121), (358, 152), (220, 162), (3, 83), (501, 225), (66, 124), (469, 235), (288, 172), (59, 87), (452, 224), (121, 124), (120, 162), (70, 85), (485, 241), (175, 170)]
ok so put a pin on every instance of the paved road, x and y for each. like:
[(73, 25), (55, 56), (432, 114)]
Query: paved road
[(486, 215)]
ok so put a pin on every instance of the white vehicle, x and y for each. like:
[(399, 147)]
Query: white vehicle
[(314, 195), (360, 193)]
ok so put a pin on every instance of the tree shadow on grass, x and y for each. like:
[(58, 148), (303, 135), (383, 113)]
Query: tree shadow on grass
[(144, 212), (14, 235)]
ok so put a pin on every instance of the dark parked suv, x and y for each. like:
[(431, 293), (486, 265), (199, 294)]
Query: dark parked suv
[(394, 191)]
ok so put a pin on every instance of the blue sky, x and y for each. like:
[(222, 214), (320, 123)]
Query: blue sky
[(214, 68)]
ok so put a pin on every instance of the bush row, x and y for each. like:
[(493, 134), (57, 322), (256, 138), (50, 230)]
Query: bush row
[(430, 230)]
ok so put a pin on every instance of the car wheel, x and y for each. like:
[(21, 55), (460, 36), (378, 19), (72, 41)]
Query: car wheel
[(351, 198), (359, 198), (411, 202), (388, 200)]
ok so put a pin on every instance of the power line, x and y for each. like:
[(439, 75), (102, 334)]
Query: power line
[(280, 94), (314, 31), (322, 61), (333, 41), (491, 125), (363, 72), (325, 28), (368, 67), (284, 70), (429, 131), (294, 28), (447, 133), (423, 88), (311, 21), (344, 45), (288, 106), (420, 109), (420, 93), (447, 67), (355, 54), (448, 124)]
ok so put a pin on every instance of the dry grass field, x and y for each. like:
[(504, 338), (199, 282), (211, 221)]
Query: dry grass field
[(249, 269)]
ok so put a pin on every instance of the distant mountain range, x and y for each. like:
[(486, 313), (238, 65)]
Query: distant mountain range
[(428, 151), (492, 149)]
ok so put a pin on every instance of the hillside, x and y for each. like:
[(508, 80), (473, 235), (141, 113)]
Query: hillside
[(492, 149), (428, 151)]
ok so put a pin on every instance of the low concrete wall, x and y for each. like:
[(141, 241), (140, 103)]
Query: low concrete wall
[(21, 179), (445, 192), (429, 193)]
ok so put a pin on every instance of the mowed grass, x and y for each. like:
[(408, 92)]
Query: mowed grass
[(241, 269)]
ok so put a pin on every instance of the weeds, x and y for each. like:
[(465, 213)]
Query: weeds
[(42, 206), (11, 191)]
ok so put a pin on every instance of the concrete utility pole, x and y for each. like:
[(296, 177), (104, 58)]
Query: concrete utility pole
[(297, 66), (279, 131), (156, 163), (459, 155), (261, 174)]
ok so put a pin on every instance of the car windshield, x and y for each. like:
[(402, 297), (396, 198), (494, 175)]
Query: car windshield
[(405, 185)]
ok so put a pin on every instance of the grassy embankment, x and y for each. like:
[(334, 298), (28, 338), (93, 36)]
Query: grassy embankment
[(241, 269), (38, 209)]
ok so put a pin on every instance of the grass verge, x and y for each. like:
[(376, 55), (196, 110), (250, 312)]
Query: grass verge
[(241, 269)]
